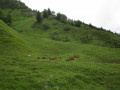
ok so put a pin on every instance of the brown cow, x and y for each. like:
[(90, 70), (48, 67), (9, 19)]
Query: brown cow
[(44, 58), (68, 59), (52, 58), (71, 58), (38, 57), (76, 56)]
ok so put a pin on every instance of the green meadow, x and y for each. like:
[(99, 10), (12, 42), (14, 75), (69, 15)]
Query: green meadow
[(21, 43)]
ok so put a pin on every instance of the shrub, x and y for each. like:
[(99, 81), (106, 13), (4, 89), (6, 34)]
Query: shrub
[(86, 38), (66, 29), (77, 23), (66, 39), (46, 26)]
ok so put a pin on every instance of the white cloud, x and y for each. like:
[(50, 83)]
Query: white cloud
[(105, 13)]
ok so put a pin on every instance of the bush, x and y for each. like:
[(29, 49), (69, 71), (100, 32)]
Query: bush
[(86, 38), (54, 36), (46, 26), (66, 29), (7, 19), (66, 39), (77, 23), (61, 17)]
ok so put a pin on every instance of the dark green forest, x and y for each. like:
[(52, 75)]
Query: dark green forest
[(12, 4)]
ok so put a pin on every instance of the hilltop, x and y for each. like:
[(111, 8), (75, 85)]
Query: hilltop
[(24, 39)]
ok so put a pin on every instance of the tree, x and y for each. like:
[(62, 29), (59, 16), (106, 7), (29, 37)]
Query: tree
[(77, 23), (49, 11), (12, 4), (70, 22), (45, 15), (38, 17), (58, 16), (61, 17), (46, 26)]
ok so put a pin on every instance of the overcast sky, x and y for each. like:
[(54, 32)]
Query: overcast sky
[(105, 13)]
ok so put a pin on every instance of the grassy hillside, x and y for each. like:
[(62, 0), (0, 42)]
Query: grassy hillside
[(10, 40), (97, 67)]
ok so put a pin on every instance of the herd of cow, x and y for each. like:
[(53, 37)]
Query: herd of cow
[(55, 58)]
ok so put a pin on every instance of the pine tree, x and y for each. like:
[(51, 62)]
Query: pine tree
[(38, 17), (45, 15), (49, 11)]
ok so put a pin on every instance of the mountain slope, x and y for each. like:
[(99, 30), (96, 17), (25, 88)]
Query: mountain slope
[(46, 42), (10, 41), (97, 67)]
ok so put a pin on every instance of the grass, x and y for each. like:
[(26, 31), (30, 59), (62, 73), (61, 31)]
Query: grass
[(97, 68)]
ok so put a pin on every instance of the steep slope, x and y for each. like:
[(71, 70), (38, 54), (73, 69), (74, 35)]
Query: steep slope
[(10, 41)]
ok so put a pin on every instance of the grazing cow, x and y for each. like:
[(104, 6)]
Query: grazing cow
[(44, 58), (68, 59), (71, 58), (38, 57), (52, 58), (76, 56)]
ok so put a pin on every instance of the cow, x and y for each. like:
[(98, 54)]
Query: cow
[(44, 58), (38, 57), (69, 59), (76, 56), (52, 58)]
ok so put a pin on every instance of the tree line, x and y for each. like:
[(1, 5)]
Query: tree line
[(109, 38), (46, 13), (63, 18), (12, 4)]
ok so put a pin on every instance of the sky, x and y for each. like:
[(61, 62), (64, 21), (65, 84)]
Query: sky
[(100, 13)]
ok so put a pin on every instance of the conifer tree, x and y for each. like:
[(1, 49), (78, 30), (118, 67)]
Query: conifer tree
[(49, 11), (38, 17), (45, 15)]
